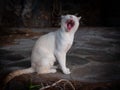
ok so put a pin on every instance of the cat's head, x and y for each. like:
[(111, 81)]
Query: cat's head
[(70, 23)]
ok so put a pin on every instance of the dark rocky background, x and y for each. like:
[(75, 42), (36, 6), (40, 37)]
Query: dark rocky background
[(94, 58), (46, 13)]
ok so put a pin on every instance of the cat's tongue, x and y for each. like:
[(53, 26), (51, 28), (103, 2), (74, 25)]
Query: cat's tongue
[(70, 24)]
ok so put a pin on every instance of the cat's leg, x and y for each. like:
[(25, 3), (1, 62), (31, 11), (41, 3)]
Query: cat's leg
[(51, 63), (45, 69), (45, 66), (55, 67), (61, 57)]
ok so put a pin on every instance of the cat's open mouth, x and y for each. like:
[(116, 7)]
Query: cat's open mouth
[(70, 23)]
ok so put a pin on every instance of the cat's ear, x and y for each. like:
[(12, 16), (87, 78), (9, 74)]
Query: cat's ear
[(79, 18)]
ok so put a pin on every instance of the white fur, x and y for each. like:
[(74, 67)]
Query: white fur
[(49, 48), (54, 46)]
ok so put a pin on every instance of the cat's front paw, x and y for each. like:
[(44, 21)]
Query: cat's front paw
[(66, 71)]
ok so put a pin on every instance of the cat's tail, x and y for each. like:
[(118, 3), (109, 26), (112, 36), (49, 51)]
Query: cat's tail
[(17, 73)]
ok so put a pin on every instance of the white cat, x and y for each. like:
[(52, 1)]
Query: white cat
[(51, 47)]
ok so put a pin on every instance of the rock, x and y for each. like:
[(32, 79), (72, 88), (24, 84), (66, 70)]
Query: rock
[(93, 61)]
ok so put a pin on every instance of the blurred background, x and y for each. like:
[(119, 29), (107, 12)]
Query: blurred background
[(94, 56), (46, 13)]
